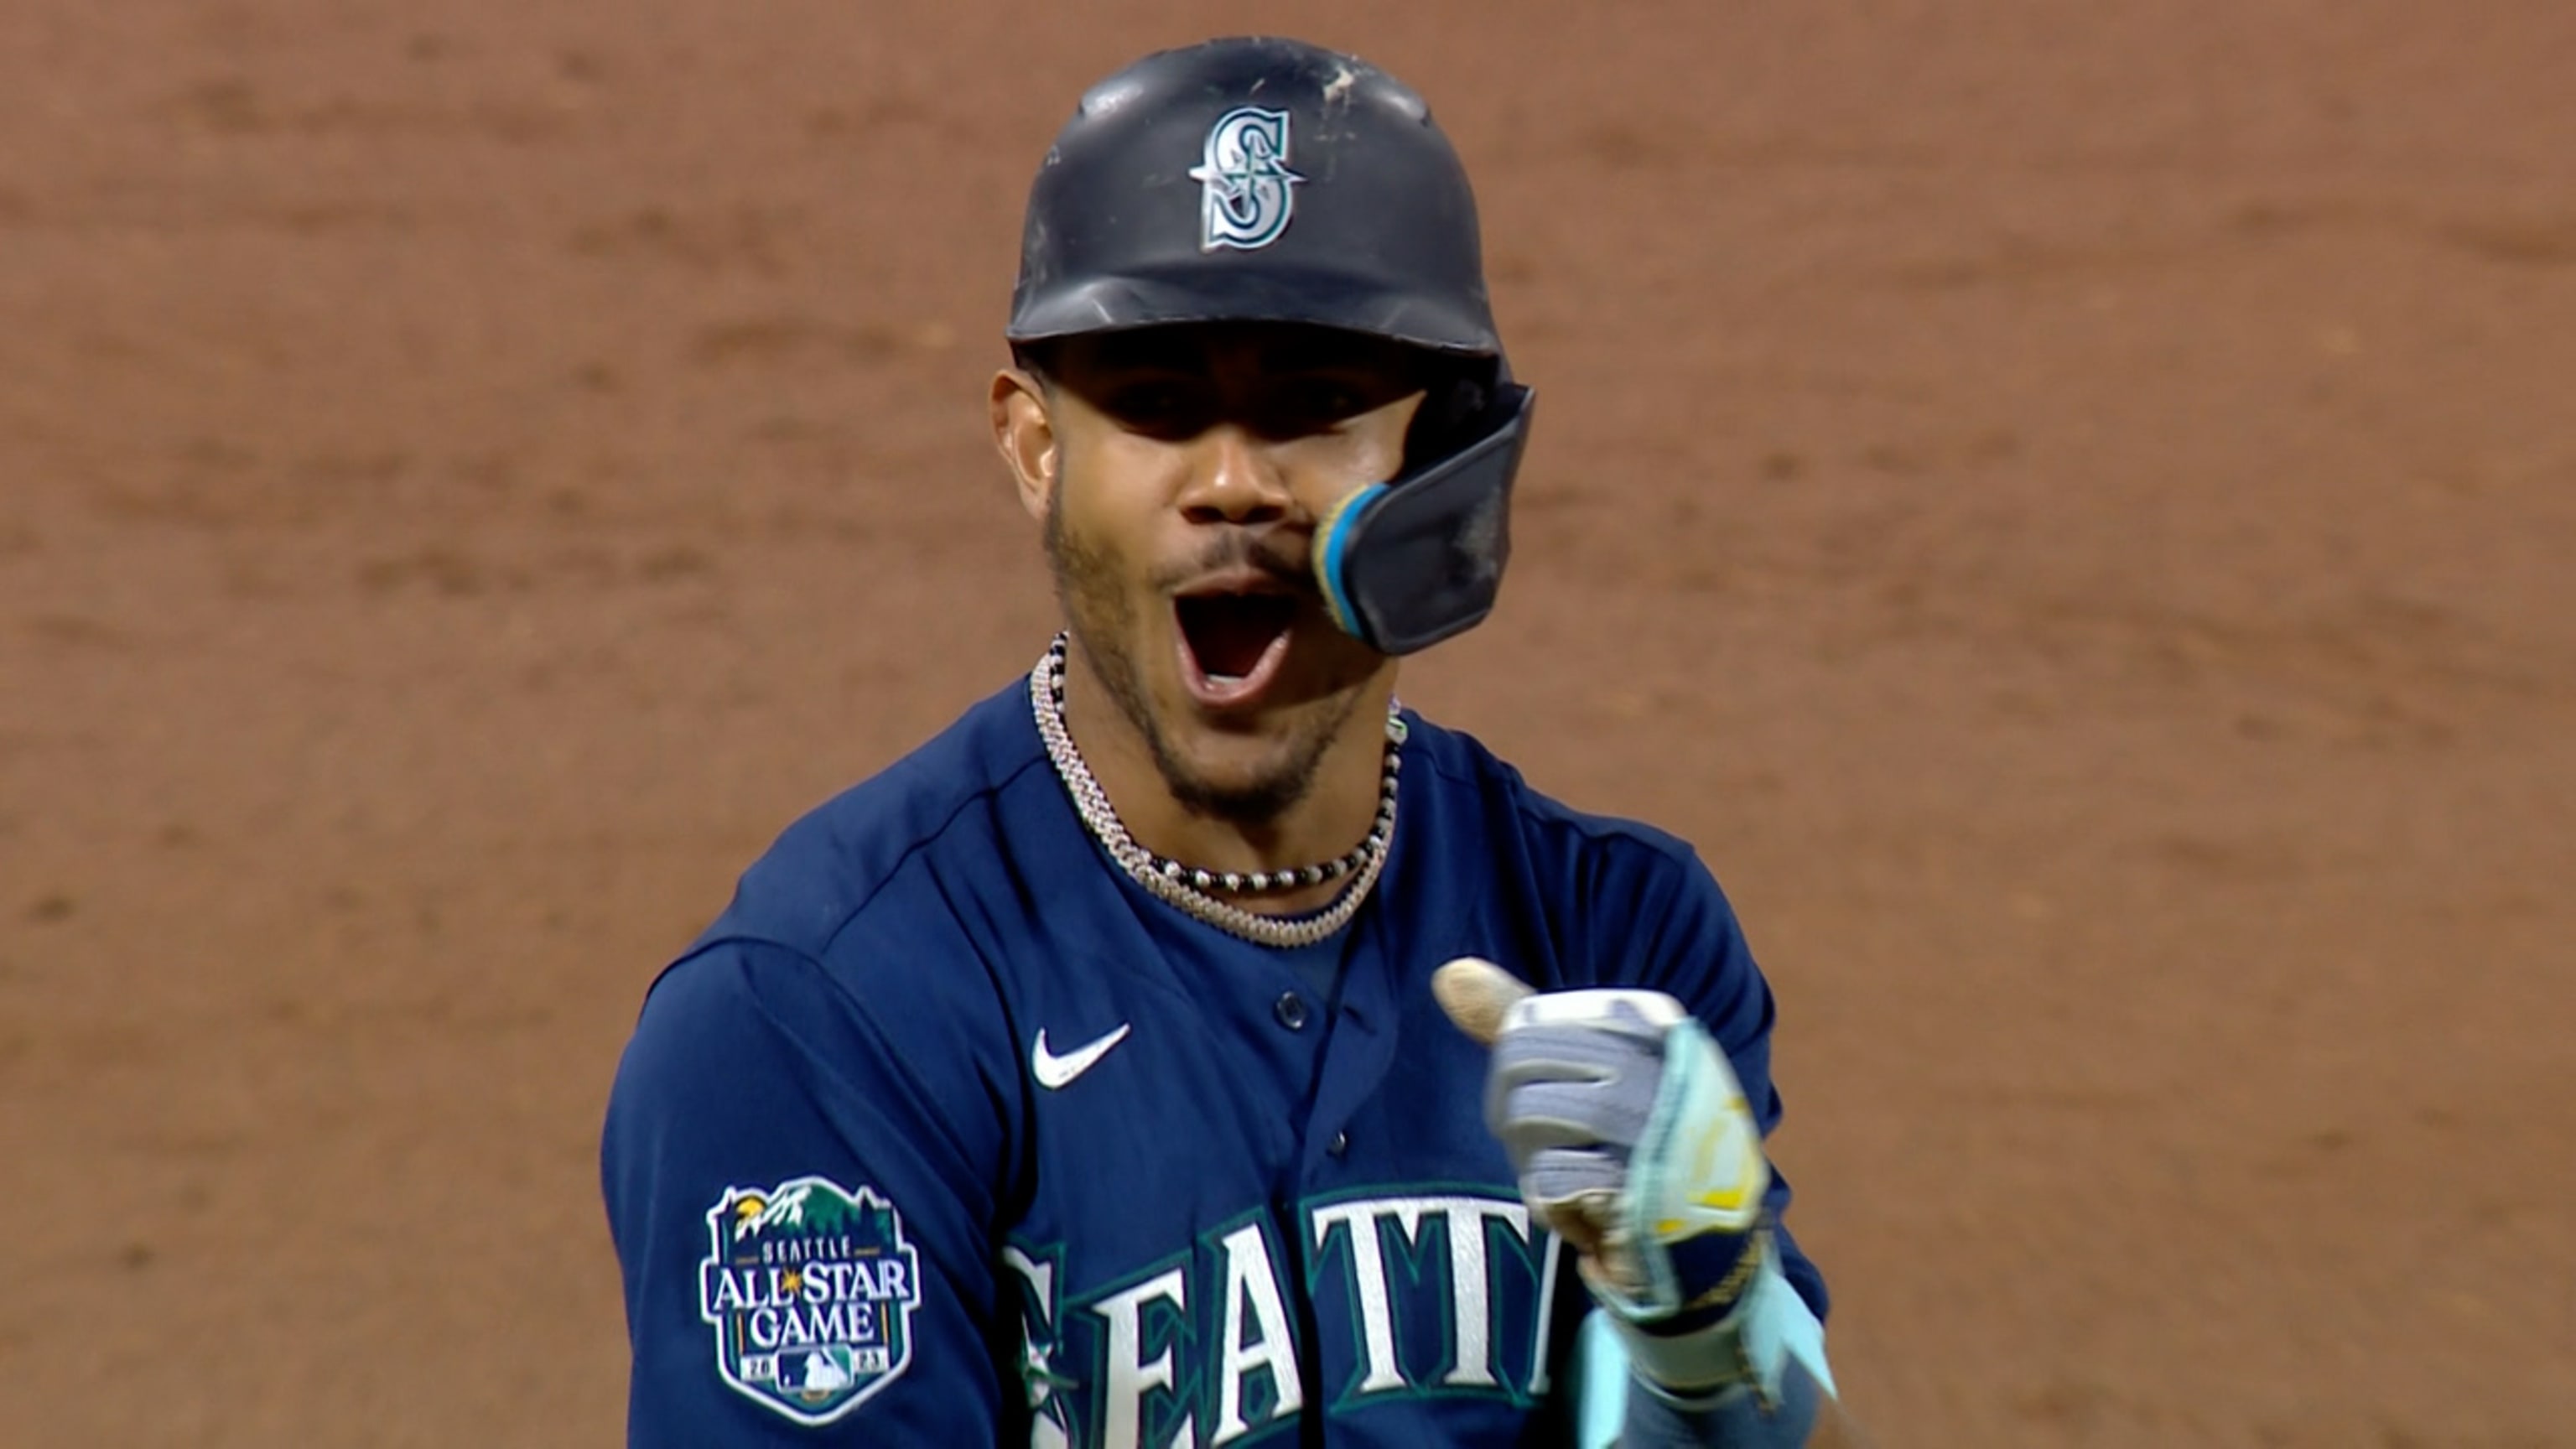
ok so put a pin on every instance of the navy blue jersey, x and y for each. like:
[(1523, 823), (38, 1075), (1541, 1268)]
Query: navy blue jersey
[(947, 1132)]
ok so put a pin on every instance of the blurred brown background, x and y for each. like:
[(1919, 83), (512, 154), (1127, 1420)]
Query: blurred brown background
[(2069, 507)]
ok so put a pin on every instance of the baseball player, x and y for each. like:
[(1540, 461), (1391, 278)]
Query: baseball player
[(1191, 1045)]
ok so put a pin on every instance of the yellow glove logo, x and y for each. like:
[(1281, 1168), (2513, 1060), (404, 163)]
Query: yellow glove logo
[(1728, 1194)]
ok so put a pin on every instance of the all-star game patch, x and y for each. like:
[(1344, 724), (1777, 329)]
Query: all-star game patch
[(810, 1288)]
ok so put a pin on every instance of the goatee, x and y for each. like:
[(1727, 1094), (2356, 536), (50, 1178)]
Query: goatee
[(1100, 616)]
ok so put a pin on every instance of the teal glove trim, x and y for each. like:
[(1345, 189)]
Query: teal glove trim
[(1778, 1327), (1600, 1384), (1697, 1168)]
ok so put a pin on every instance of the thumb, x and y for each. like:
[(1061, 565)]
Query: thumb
[(1476, 993)]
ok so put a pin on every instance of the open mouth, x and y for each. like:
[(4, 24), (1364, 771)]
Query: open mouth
[(1232, 643)]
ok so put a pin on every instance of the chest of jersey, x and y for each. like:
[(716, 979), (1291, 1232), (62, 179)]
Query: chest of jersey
[(1255, 1198), (1147, 1185)]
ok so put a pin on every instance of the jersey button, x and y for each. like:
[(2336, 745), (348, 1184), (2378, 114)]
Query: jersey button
[(1291, 1011), (1340, 1144)]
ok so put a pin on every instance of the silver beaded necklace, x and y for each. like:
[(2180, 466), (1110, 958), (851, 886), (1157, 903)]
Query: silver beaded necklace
[(1194, 890)]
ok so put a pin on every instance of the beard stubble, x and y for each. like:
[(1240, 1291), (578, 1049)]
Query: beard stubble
[(1100, 614)]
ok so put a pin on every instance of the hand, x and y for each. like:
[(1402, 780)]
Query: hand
[(1630, 1135)]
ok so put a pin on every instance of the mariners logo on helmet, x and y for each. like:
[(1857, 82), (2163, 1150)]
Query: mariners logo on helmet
[(1246, 194)]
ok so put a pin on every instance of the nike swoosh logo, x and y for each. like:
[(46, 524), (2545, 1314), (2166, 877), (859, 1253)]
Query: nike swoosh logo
[(1055, 1071)]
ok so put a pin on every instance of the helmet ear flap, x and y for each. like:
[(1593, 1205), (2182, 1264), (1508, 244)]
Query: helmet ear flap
[(1407, 563), (1457, 409)]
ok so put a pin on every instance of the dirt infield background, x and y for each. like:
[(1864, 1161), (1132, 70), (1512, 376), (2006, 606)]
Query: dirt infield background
[(2070, 507)]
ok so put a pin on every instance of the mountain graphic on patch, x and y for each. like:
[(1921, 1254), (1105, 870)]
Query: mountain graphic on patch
[(809, 1288)]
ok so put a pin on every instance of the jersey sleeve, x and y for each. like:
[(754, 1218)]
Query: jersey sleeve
[(1663, 919), (802, 1188)]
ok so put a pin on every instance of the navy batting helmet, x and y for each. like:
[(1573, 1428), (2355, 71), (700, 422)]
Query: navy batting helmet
[(1267, 180), (1254, 180)]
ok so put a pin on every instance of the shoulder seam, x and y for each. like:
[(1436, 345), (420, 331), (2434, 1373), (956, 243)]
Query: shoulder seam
[(824, 980), (1589, 825), (927, 838)]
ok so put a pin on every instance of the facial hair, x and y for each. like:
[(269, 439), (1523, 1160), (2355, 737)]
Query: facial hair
[(1100, 614)]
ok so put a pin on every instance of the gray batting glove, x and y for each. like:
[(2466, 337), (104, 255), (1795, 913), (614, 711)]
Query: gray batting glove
[(1629, 1133)]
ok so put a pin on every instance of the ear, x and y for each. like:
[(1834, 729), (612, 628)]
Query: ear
[(1024, 434)]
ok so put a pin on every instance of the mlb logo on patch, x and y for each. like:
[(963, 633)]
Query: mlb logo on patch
[(810, 1289)]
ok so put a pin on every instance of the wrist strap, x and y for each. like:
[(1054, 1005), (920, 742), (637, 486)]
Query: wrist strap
[(1702, 1361), (1749, 1348)]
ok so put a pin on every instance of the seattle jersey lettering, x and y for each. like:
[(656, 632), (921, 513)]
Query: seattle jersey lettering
[(1448, 1294)]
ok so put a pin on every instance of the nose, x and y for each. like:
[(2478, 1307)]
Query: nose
[(1234, 479)]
